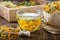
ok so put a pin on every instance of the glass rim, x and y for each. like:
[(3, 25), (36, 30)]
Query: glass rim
[(37, 14)]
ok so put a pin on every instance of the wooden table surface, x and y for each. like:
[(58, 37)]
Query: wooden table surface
[(38, 35)]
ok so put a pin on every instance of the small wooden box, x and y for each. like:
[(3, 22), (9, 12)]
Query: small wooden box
[(10, 13), (1, 0)]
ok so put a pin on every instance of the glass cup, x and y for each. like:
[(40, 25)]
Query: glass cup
[(29, 20)]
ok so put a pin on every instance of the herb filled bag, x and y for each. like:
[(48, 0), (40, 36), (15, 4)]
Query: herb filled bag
[(52, 14)]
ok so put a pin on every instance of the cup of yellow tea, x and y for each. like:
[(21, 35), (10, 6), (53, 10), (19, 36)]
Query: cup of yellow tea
[(29, 20)]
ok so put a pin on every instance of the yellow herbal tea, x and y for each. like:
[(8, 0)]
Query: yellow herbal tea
[(29, 21)]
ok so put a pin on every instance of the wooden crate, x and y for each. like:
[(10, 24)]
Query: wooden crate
[(10, 13), (39, 1), (1, 0)]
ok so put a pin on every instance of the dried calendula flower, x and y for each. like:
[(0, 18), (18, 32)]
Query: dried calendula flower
[(52, 7), (17, 30), (47, 8)]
